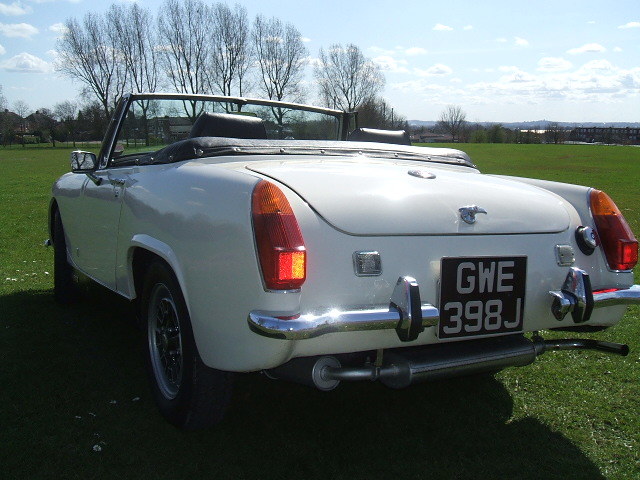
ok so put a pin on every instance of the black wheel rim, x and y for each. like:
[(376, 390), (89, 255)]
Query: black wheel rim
[(165, 341)]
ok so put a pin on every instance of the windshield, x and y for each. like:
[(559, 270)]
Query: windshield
[(151, 124)]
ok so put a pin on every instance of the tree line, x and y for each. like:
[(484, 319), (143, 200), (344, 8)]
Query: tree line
[(193, 47), (453, 121)]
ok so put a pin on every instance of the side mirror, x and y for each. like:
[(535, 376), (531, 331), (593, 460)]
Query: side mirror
[(83, 162)]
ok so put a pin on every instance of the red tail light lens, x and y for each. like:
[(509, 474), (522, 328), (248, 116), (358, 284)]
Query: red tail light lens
[(619, 244), (281, 250)]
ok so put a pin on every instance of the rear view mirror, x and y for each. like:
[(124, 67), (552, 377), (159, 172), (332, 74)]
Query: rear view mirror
[(82, 162)]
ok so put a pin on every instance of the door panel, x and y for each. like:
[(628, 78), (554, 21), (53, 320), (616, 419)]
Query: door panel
[(97, 215)]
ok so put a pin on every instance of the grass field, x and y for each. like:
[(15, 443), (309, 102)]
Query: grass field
[(75, 402)]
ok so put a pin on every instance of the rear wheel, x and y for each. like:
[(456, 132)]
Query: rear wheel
[(65, 288), (189, 394)]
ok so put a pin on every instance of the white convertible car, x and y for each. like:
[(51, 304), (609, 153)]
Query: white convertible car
[(264, 236)]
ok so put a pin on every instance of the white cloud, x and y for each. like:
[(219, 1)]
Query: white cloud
[(305, 39), (468, 27), (630, 25), (515, 75), (381, 51), (54, 55), (14, 9), (2, 50), (26, 63), (415, 51), (58, 28), (553, 64), (390, 64), (501, 40), (434, 71), (521, 42), (599, 65), (617, 49), (18, 30), (442, 28), (587, 48)]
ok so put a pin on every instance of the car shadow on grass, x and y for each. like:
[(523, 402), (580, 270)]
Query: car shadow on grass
[(76, 394)]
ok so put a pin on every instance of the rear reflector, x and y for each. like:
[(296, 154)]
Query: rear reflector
[(281, 249), (617, 240), (606, 290)]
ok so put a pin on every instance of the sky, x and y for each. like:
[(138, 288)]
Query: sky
[(501, 61)]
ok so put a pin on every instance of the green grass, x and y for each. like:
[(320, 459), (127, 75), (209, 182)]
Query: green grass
[(72, 378)]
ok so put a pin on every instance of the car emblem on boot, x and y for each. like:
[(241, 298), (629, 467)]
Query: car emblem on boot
[(468, 214)]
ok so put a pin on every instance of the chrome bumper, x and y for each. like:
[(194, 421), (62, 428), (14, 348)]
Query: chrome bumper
[(405, 313), (408, 316)]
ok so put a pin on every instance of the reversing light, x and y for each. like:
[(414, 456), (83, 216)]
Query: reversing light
[(279, 241), (617, 240)]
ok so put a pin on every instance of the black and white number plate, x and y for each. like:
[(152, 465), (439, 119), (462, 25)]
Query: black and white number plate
[(481, 296)]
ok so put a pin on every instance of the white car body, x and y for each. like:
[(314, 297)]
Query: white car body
[(196, 215)]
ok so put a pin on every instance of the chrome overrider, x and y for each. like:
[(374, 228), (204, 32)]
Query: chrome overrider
[(409, 316), (577, 297)]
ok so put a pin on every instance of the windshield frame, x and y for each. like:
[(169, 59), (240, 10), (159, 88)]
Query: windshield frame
[(345, 119)]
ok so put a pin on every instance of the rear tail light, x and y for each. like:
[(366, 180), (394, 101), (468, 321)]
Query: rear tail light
[(617, 240), (281, 250)]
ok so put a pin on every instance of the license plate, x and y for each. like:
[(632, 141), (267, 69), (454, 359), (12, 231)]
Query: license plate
[(481, 296)]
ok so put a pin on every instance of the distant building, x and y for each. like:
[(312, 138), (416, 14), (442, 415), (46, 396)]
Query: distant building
[(624, 136)]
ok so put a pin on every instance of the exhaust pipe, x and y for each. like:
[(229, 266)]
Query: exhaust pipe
[(403, 367), (311, 371)]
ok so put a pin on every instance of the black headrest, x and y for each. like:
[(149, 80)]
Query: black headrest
[(228, 125), (398, 137)]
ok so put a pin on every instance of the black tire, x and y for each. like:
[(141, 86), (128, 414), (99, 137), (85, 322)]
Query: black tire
[(65, 288), (189, 394)]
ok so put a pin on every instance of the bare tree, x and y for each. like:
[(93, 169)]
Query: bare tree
[(3, 100), (230, 50), (88, 53), (554, 133), (22, 110), (452, 121), (281, 57), (67, 113), (376, 113), (346, 78), (185, 28), (136, 43)]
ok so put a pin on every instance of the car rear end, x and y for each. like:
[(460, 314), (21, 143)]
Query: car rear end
[(411, 272)]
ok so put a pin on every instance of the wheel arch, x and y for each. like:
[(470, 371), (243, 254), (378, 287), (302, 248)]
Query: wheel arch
[(143, 250)]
